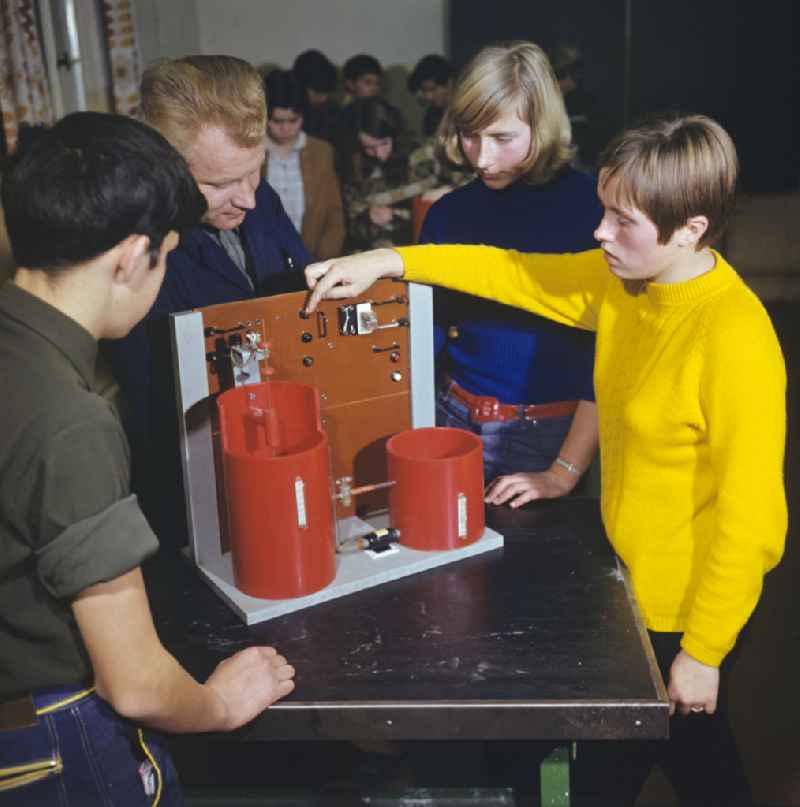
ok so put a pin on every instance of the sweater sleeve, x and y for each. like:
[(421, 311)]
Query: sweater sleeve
[(742, 394), (566, 288)]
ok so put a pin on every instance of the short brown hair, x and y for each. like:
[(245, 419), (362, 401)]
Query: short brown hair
[(673, 169), (180, 96), (511, 78)]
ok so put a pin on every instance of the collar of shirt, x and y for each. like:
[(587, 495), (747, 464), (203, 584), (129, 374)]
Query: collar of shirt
[(298, 144), (61, 331)]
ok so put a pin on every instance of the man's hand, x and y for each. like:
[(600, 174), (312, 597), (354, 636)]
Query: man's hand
[(693, 686), (340, 278), (381, 215), (518, 489), (250, 681)]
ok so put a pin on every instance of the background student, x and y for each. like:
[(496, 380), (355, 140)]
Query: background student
[(300, 168), (521, 382), (319, 78), (376, 178), (431, 81)]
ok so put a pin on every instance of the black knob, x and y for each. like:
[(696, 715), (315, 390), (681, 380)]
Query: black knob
[(306, 336), (308, 360)]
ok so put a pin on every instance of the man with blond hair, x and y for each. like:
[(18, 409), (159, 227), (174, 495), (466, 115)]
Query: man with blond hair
[(212, 109)]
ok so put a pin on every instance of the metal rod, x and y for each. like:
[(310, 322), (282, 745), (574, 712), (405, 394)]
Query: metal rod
[(370, 488), (76, 62)]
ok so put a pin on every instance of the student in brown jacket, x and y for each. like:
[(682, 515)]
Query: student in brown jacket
[(301, 169)]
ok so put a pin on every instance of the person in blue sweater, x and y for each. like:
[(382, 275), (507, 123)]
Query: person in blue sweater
[(213, 110), (522, 383)]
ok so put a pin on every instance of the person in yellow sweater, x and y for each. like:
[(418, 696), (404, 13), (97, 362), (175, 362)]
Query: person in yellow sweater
[(690, 385)]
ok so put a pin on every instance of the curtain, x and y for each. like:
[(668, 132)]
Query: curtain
[(24, 92), (123, 54)]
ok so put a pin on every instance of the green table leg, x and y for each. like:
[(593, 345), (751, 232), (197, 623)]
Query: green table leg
[(554, 773)]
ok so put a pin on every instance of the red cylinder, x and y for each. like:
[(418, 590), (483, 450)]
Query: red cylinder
[(437, 499), (278, 489)]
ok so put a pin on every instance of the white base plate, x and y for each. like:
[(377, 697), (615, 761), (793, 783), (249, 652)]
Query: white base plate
[(354, 571)]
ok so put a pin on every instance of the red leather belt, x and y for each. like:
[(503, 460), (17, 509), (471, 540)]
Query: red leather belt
[(485, 408)]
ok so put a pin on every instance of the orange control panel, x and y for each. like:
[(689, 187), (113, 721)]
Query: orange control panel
[(355, 352)]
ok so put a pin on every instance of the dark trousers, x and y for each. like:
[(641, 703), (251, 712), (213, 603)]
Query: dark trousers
[(83, 754), (700, 759)]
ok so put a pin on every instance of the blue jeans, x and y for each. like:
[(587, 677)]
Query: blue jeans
[(83, 754), (510, 446)]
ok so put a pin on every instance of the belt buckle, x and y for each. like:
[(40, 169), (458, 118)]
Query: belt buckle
[(485, 410)]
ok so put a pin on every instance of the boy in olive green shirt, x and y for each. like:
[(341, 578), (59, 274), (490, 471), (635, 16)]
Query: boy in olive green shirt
[(93, 206)]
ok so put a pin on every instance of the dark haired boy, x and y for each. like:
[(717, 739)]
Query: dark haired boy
[(92, 206), (362, 76), (431, 81), (319, 78)]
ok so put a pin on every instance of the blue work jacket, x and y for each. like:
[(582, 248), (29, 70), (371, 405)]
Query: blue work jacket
[(199, 273)]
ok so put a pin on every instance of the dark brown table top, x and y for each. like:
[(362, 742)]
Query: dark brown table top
[(538, 640)]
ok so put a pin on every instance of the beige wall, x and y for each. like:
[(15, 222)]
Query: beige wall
[(167, 28), (273, 32), (398, 32)]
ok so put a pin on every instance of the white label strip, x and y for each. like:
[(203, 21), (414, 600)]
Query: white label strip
[(462, 515), (300, 499)]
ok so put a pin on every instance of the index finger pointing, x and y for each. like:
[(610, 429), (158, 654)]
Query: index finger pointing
[(314, 271), (320, 288)]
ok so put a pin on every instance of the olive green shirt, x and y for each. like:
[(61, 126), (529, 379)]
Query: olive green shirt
[(67, 517)]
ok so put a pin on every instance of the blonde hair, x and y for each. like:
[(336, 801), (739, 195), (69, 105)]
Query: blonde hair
[(180, 96), (674, 169), (512, 78)]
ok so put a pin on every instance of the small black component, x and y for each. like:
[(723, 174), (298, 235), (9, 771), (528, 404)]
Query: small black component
[(222, 365), (381, 538), (308, 360), (393, 346), (306, 336), (304, 314)]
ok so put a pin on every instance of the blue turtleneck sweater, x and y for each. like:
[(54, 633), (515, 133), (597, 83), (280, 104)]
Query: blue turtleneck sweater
[(501, 351)]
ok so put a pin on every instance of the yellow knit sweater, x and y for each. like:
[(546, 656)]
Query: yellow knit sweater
[(690, 386)]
